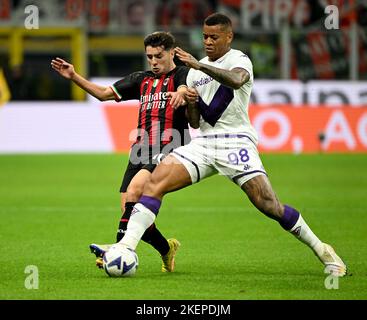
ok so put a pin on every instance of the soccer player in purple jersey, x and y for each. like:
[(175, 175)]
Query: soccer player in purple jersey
[(162, 126), (221, 84)]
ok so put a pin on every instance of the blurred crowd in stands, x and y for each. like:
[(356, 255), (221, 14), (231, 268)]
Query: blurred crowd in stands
[(107, 14), (257, 25)]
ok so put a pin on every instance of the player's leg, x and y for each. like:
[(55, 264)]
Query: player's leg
[(133, 192), (126, 207), (240, 161), (169, 175), (126, 204), (166, 248), (184, 166), (262, 195), (123, 221), (100, 249)]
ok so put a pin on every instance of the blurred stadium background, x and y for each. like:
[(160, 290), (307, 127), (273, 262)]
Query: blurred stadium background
[(310, 93), (309, 98)]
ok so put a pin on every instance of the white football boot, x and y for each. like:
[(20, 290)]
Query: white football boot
[(334, 265)]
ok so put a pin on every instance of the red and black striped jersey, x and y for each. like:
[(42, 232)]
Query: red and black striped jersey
[(157, 118)]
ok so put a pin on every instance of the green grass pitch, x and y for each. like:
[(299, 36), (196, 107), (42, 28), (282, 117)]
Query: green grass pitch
[(53, 206)]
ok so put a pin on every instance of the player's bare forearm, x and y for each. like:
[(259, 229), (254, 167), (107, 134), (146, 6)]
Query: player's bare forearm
[(100, 92), (234, 78), (193, 115), (66, 70), (192, 110)]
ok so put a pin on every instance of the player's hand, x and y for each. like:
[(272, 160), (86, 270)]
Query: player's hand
[(177, 99), (63, 68), (187, 58), (191, 95)]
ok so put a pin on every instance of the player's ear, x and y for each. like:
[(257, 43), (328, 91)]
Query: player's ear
[(229, 37)]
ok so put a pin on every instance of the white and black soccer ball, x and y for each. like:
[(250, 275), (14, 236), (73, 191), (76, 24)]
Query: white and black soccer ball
[(120, 261)]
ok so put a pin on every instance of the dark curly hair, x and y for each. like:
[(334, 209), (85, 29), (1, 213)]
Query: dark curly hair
[(160, 39), (218, 18)]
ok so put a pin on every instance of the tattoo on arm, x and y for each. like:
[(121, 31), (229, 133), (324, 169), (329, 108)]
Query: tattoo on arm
[(234, 78)]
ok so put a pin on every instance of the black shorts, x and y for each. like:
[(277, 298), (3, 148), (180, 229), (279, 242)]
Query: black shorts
[(132, 170), (141, 157)]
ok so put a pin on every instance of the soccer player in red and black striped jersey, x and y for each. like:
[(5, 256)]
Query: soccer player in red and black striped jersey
[(162, 126)]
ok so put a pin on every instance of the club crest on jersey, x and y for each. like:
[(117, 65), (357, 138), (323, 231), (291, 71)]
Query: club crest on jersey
[(165, 81)]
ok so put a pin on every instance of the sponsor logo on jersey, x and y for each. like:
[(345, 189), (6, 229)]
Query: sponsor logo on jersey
[(154, 101), (203, 81), (153, 97)]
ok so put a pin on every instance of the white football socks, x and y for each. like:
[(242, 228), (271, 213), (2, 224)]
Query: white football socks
[(303, 232), (141, 219)]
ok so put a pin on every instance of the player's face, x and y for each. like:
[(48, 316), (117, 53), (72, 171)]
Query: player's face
[(217, 41), (160, 60)]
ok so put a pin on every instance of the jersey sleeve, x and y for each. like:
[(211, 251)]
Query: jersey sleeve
[(244, 62), (180, 76), (190, 79), (128, 88)]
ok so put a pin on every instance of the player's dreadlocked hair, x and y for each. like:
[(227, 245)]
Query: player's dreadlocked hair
[(160, 39), (218, 18)]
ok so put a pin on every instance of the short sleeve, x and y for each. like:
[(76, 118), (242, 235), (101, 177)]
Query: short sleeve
[(180, 76), (128, 88), (244, 62), (190, 79)]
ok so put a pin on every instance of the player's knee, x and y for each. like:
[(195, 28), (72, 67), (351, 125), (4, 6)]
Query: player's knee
[(134, 192), (153, 187), (157, 186)]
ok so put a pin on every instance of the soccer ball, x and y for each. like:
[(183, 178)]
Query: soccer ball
[(120, 261)]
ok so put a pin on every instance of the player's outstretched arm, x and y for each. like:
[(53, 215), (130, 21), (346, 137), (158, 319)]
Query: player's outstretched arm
[(234, 78), (67, 71)]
